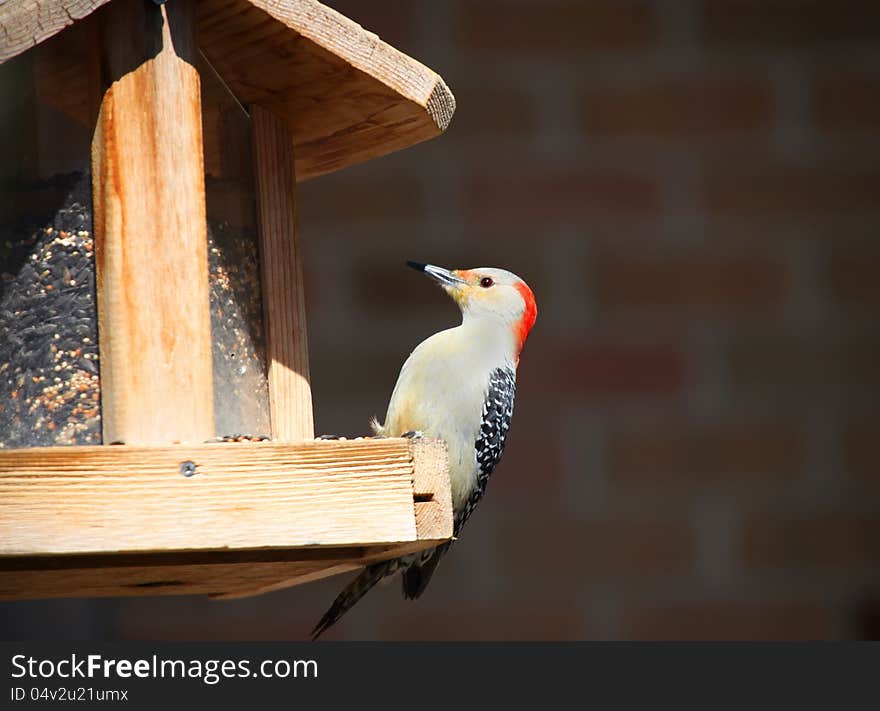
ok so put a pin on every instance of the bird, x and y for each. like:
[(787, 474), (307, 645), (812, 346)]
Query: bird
[(458, 385)]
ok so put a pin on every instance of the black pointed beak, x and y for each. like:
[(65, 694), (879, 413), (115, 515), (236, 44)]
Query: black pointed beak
[(443, 276)]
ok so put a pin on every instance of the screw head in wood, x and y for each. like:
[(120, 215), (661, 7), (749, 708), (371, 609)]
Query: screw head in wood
[(187, 468)]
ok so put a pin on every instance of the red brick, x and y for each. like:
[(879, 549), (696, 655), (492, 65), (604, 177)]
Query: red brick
[(776, 23), (860, 448), (540, 198), (773, 189), (600, 371), (706, 284), (572, 548), (729, 621), (493, 114), (847, 101), (855, 278), (808, 366), (533, 460), (679, 110), (345, 199), (557, 27), (496, 623), (730, 454), (827, 540)]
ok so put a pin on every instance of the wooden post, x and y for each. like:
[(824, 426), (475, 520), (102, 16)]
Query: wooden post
[(287, 351), (150, 229)]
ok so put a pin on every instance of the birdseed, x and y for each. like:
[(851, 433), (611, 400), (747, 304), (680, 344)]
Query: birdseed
[(241, 394), (50, 392)]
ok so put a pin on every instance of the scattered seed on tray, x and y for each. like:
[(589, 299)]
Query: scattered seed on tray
[(239, 438)]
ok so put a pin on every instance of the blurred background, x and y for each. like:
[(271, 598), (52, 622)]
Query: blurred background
[(692, 189)]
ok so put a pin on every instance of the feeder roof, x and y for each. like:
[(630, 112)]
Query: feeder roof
[(347, 95)]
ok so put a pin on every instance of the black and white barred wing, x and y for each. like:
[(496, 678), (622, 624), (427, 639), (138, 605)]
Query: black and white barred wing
[(492, 436)]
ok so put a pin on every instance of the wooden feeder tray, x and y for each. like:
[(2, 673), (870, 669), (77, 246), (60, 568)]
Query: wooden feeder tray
[(159, 508), (219, 519)]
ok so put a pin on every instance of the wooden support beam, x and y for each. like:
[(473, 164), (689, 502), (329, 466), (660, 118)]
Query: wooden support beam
[(347, 95), (86, 521), (75, 500), (218, 580), (150, 230), (434, 520), (220, 575), (430, 485), (287, 348), (26, 23)]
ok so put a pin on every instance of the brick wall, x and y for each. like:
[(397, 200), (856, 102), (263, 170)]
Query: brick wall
[(692, 188)]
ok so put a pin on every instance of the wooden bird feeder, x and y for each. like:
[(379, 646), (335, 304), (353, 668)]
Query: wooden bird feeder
[(151, 300)]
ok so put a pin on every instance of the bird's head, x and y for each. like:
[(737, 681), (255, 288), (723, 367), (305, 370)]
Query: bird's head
[(488, 294)]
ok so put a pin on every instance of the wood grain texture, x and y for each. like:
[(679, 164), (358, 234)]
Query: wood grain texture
[(347, 95), (93, 521), (230, 580), (291, 578), (431, 485), (432, 529), (26, 23), (150, 230), (287, 348), (59, 500), (433, 512), (220, 575)]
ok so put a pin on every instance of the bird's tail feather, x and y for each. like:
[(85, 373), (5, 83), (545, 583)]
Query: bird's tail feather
[(377, 427), (417, 576), (353, 592)]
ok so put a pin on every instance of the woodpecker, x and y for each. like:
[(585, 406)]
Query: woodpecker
[(457, 385)]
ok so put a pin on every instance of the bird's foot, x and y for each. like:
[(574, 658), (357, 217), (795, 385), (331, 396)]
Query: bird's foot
[(413, 434)]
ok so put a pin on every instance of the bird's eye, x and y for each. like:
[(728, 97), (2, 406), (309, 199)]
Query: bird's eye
[(486, 282)]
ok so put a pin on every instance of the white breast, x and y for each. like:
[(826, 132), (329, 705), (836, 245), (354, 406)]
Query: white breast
[(441, 390)]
